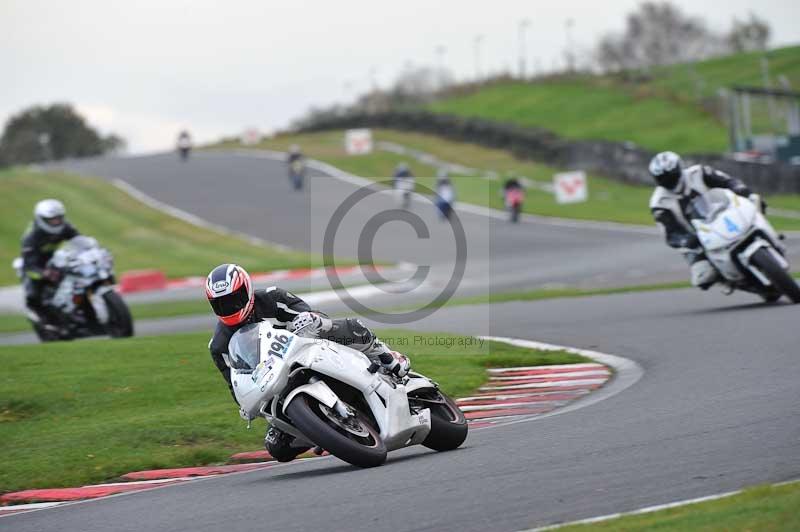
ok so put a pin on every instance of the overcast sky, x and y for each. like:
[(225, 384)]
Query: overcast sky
[(147, 68)]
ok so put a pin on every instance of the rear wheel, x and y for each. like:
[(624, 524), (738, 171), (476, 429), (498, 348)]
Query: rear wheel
[(780, 278), (448, 424), (120, 322), (352, 438)]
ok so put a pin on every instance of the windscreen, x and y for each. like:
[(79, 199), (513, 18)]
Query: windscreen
[(707, 206), (244, 347)]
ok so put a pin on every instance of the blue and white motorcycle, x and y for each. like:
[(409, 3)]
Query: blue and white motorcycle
[(742, 245)]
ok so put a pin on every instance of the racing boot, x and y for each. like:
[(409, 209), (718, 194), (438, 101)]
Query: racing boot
[(703, 274), (394, 362), (279, 445)]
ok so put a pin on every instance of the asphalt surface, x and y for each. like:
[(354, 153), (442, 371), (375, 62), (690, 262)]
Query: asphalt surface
[(251, 195), (717, 408)]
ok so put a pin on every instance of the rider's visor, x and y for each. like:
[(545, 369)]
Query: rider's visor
[(232, 303), (670, 180), (55, 221)]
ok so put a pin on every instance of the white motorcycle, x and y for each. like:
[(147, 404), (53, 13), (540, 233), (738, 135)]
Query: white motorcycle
[(742, 245), (331, 396), (85, 297)]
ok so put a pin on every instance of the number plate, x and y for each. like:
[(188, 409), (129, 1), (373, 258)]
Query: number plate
[(279, 343)]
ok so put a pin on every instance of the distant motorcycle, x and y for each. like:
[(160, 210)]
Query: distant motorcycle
[(184, 145), (297, 172), (85, 297), (742, 245), (331, 396), (183, 152), (514, 197), (404, 185)]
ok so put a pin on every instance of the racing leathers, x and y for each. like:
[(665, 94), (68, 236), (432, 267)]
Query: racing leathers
[(284, 308), (38, 247), (669, 210)]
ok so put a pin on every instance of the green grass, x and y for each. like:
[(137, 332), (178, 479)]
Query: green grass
[(762, 508), (139, 237), (587, 109), (663, 113), (705, 78), (609, 200), (557, 293), (12, 322), (90, 411)]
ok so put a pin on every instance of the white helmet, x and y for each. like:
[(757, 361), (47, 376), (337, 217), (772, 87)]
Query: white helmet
[(667, 170), (48, 215)]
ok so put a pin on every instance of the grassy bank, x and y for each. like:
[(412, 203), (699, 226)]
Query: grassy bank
[(763, 508), (13, 323), (609, 200), (668, 110), (89, 411), (138, 236)]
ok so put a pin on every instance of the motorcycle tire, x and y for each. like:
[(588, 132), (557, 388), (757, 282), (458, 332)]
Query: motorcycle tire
[(780, 278), (448, 425), (120, 322), (44, 334), (306, 414)]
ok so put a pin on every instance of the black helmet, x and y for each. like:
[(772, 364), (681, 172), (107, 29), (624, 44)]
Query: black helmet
[(667, 170)]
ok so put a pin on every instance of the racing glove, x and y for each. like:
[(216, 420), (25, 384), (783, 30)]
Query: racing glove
[(51, 274), (310, 325)]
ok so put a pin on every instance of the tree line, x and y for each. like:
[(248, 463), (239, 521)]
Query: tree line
[(48, 133)]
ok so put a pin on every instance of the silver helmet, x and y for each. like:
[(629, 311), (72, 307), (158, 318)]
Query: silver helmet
[(667, 170), (49, 216)]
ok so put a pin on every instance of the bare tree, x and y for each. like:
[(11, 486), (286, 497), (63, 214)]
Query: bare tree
[(749, 35), (657, 34)]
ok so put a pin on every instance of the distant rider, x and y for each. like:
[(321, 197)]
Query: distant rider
[(296, 164), (445, 194), (677, 186), (513, 196), (184, 144), (48, 230), (295, 154), (404, 183), (236, 303)]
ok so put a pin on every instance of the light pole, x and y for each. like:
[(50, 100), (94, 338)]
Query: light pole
[(523, 25), (568, 24), (440, 51), (476, 44), (373, 71), (347, 89)]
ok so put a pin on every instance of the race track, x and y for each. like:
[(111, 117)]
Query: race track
[(716, 408)]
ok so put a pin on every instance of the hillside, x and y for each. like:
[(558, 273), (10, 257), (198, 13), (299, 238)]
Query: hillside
[(668, 111), (138, 236)]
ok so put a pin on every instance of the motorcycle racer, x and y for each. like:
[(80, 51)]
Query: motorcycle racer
[(48, 230), (236, 303), (676, 187)]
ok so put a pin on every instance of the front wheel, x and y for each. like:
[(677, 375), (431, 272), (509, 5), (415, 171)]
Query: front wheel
[(120, 322), (780, 278), (448, 424), (352, 439)]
